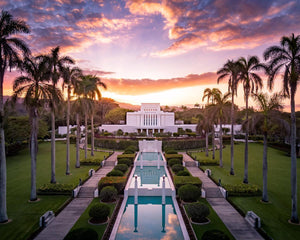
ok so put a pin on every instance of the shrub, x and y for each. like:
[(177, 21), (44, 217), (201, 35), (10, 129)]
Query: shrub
[(128, 156), (121, 167), (90, 161), (177, 167), (99, 212), (189, 193), (174, 161), (198, 212), (171, 151), (108, 194), (117, 182), (128, 151), (114, 143), (56, 188), (242, 189), (184, 144), (175, 134), (170, 156), (208, 162), (214, 234), (126, 161), (82, 234), (115, 173), (183, 180), (183, 173)]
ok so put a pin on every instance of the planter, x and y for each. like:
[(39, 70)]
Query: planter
[(203, 223), (95, 222)]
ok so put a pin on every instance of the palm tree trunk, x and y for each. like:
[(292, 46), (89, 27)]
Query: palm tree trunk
[(231, 139), (3, 208), (221, 144), (294, 216), (68, 135), (213, 142), (92, 134), (33, 153), (53, 180), (86, 136), (265, 170), (77, 141), (246, 143), (206, 144)]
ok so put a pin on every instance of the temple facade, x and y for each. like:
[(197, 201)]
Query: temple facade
[(150, 119)]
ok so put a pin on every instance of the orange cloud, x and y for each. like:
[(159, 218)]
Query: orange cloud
[(145, 86)]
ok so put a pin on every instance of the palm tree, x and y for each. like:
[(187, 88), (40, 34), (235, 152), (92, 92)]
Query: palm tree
[(205, 125), (70, 78), (10, 49), (93, 92), (251, 83), (287, 57), (56, 64), (209, 94), (268, 116), (220, 110), (231, 69), (37, 93)]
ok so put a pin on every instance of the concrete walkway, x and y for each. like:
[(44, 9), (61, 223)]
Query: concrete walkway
[(235, 223), (65, 220)]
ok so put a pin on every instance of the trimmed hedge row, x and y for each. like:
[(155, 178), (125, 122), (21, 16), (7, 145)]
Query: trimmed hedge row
[(184, 144), (209, 162), (169, 156), (118, 182), (130, 156), (55, 188), (242, 189), (91, 161), (182, 180), (119, 144)]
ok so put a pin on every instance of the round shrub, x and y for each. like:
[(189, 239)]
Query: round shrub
[(82, 234), (129, 151), (174, 161), (189, 193), (171, 151), (183, 173), (115, 173), (108, 194), (198, 212), (126, 161), (99, 212), (121, 167), (214, 234), (177, 167)]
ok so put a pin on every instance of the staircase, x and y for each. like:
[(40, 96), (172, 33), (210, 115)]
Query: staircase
[(213, 193), (86, 192)]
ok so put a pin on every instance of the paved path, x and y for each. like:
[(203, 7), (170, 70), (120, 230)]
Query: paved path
[(65, 220), (235, 223)]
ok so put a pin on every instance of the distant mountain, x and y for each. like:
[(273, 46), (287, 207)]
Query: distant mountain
[(129, 106)]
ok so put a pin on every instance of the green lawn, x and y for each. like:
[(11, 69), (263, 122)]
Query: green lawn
[(25, 216), (215, 223), (274, 215), (82, 222)]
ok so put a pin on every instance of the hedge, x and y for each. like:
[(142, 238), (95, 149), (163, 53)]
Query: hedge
[(55, 188), (242, 189), (174, 161), (169, 156), (90, 161), (130, 156), (189, 193), (118, 182), (184, 144), (208, 162), (182, 180), (121, 167), (126, 161), (119, 144), (115, 173), (177, 167)]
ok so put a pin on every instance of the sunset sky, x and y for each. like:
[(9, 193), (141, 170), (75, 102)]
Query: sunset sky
[(156, 51)]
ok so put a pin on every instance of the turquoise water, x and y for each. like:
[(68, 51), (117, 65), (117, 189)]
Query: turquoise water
[(150, 156), (150, 175), (149, 219)]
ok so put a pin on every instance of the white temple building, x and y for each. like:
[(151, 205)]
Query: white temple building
[(150, 119)]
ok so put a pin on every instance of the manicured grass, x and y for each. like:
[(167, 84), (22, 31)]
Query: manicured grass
[(216, 223), (274, 215), (82, 222), (25, 216)]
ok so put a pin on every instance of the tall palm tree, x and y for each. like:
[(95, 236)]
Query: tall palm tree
[(287, 57), (251, 82), (230, 70), (205, 125), (220, 110), (268, 116), (10, 49), (93, 92), (37, 93), (70, 78), (209, 94), (56, 64)]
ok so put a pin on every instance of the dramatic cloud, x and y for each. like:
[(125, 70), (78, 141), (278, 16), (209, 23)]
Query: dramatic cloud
[(145, 86), (220, 24)]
